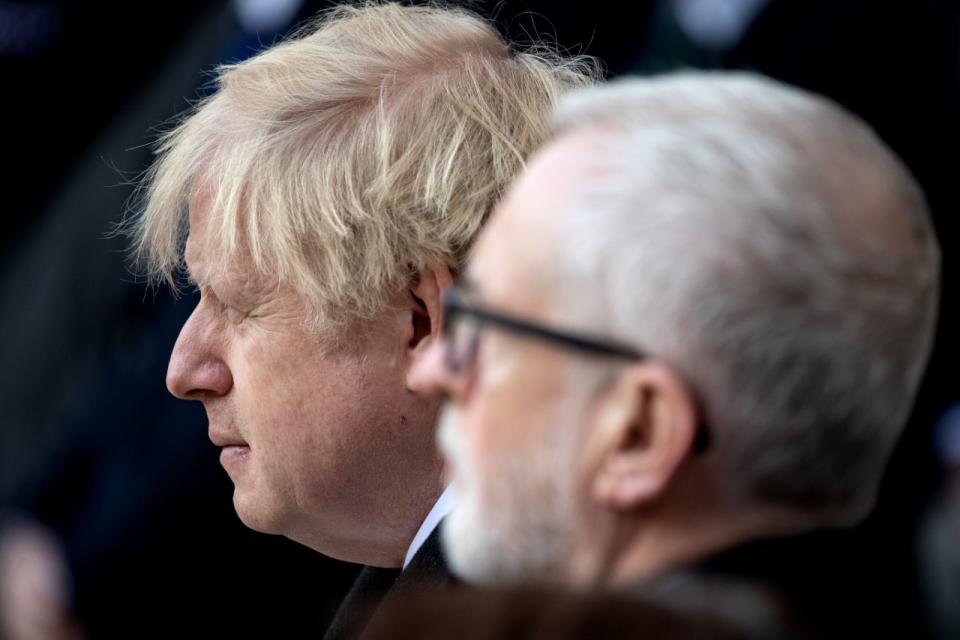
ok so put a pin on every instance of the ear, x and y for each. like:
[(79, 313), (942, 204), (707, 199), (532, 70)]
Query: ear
[(644, 430), (425, 309)]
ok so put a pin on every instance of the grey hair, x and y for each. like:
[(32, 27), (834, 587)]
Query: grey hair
[(767, 245)]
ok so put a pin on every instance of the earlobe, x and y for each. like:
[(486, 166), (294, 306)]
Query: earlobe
[(644, 431)]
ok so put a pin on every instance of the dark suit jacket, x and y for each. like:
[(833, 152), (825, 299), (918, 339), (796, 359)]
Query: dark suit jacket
[(376, 587)]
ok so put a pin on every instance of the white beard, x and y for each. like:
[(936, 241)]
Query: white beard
[(515, 524)]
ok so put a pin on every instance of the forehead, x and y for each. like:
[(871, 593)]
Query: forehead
[(204, 255), (194, 254), (514, 251)]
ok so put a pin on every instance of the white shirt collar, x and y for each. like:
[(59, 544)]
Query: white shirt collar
[(441, 508)]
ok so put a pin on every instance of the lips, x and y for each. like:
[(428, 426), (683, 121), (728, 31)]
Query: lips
[(234, 451), (222, 439), (234, 455)]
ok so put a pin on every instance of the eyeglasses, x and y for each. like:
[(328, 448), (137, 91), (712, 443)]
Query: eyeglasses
[(463, 321)]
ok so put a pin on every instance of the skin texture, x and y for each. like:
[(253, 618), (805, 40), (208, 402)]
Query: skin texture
[(321, 436)]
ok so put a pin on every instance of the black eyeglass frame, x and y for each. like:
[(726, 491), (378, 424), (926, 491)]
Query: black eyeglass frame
[(454, 306)]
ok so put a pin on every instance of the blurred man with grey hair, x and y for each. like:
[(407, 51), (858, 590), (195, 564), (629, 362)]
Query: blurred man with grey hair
[(698, 320)]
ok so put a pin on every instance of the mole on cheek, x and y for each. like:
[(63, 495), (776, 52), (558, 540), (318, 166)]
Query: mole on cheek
[(403, 419)]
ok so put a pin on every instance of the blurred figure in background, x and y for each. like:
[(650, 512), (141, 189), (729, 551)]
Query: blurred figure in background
[(692, 333), (541, 614), (939, 540), (36, 589)]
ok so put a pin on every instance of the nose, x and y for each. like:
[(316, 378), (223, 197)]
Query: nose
[(196, 371), (430, 374)]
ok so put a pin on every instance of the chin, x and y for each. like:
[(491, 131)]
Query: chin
[(256, 515)]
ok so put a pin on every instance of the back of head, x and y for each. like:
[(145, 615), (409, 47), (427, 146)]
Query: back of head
[(768, 246), (372, 143)]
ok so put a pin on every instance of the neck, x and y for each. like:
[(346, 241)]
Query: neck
[(385, 540), (631, 547), (662, 547)]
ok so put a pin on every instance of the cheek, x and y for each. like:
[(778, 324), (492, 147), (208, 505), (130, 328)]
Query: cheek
[(484, 446), (474, 435), (489, 425), (321, 416), (465, 452), (526, 420), (286, 393), (503, 424)]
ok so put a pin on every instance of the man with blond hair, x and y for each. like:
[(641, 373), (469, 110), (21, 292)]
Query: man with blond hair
[(320, 200), (698, 320)]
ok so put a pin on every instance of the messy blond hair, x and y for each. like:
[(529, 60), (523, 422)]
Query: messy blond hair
[(371, 144)]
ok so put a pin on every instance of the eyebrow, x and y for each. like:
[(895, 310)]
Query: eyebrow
[(187, 271), (199, 282), (191, 279)]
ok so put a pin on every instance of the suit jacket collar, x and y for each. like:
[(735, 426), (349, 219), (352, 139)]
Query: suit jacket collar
[(376, 586)]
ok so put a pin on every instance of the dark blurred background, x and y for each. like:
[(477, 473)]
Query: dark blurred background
[(116, 481)]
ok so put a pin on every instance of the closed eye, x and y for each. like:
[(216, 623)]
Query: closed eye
[(233, 314)]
